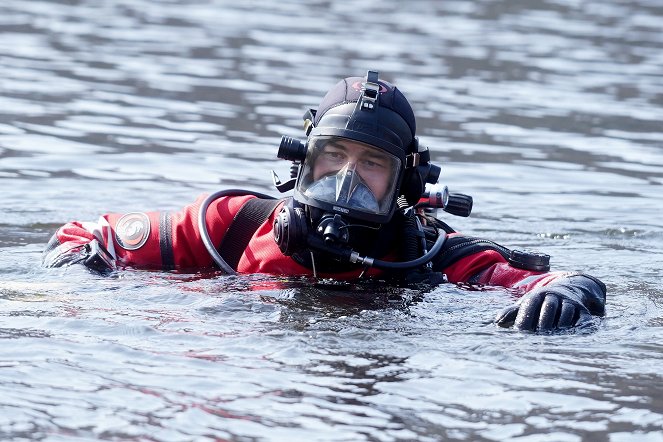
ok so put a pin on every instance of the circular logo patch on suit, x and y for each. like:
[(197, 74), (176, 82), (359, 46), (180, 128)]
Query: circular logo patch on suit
[(132, 230)]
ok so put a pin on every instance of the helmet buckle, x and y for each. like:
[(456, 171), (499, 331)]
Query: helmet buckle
[(309, 118), (370, 91), (412, 160), (308, 126)]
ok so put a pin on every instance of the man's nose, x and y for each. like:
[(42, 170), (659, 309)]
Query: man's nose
[(350, 164)]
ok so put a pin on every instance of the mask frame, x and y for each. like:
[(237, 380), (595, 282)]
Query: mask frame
[(342, 176)]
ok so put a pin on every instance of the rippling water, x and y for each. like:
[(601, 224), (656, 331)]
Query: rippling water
[(547, 112)]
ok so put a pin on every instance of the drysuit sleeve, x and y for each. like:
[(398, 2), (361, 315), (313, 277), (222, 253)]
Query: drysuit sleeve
[(145, 240), (548, 300)]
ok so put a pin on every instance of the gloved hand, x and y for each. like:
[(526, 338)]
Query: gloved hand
[(566, 303), (92, 255)]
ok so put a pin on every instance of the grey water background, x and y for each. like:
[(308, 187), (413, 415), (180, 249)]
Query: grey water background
[(548, 112)]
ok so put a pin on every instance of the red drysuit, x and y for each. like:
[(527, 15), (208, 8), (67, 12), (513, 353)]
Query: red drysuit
[(161, 240)]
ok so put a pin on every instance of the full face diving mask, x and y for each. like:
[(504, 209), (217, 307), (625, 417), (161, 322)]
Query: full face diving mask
[(348, 177)]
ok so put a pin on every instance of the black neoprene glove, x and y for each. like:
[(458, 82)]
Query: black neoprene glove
[(92, 255), (566, 303)]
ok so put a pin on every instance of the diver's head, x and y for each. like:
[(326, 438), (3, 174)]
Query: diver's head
[(361, 151), (361, 155)]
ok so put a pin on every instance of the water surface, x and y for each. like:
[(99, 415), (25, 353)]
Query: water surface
[(548, 113)]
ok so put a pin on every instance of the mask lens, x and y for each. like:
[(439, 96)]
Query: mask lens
[(350, 174)]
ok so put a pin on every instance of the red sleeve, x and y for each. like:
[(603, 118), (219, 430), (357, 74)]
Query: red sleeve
[(149, 240), (489, 267)]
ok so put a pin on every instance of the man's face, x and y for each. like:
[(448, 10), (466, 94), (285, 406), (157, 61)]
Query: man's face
[(374, 166)]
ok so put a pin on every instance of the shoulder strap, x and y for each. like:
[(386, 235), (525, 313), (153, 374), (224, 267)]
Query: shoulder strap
[(247, 220)]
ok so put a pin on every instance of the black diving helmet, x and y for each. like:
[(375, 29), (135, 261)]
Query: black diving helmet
[(361, 143), (360, 157)]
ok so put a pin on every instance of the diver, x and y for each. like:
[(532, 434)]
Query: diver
[(362, 207)]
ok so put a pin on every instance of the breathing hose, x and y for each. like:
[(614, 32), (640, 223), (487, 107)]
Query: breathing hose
[(202, 224), (390, 265)]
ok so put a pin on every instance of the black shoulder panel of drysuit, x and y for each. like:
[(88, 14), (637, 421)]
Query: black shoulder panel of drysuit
[(248, 219)]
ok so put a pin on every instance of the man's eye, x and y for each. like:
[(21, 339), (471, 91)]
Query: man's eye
[(335, 155), (373, 164)]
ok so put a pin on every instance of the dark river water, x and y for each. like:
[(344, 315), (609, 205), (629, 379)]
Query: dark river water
[(549, 113)]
